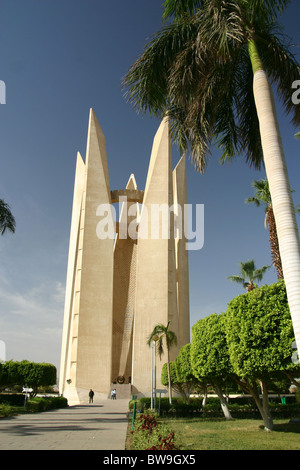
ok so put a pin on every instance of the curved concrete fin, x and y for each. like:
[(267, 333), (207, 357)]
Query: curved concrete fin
[(93, 349), (125, 219), (96, 159), (79, 186), (182, 265), (131, 182), (156, 295), (160, 166)]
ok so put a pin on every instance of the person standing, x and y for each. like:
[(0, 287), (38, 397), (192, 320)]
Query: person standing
[(91, 396)]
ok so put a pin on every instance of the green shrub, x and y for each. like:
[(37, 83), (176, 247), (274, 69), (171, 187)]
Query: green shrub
[(240, 407), (12, 399), (280, 410), (39, 404), (34, 405), (5, 410)]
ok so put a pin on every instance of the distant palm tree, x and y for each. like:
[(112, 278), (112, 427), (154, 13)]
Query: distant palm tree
[(249, 274), (162, 334), (263, 196), (7, 221)]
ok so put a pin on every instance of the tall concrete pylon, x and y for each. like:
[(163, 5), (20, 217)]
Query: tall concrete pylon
[(121, 284), (86, 354), (182, 262), (156, 295)]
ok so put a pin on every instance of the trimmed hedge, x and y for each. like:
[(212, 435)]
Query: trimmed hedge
[(178, 407), (39, 404), (33, 404), (240, 407), (12, 399)]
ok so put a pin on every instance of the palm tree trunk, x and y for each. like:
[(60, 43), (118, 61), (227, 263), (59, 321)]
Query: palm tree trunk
[(283, 207), (274, 242)]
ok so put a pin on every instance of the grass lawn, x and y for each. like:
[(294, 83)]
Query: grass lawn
[(238, 434)]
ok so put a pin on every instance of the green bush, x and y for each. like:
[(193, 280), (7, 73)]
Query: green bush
[(39, 404), (6, 410), (280, 410), (240, 407), (178, 408), (13, 399)]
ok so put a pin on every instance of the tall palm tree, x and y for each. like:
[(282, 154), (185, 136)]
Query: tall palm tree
[(209, 69), (263, 196), (249, 274), (7, 220), (163, 334)]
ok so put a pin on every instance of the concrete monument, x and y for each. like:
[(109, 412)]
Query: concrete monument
[(124, 276)]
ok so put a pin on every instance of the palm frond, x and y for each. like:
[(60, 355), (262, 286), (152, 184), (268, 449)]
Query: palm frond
[(178, 8), (281, 65), (266, 9), (7, 220), (255, 200), (171, 339), (248, 124), (247, 268), (262, 192), (146, 84), (198, 71), (237, 279), (259, 273)]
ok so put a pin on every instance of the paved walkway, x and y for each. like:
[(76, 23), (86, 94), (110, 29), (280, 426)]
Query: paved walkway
[(97, 426)]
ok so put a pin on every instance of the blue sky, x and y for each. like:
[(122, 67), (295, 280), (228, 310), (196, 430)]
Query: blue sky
[(58, 59)]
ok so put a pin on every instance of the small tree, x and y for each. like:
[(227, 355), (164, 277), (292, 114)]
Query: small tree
[(209, 356), (177, 385), (32, 374), (38, 374), (260, 334), (163, 334), (184, 373)]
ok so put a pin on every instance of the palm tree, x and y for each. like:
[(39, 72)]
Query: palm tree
[(249, 274), (263, 196), (209, 70), (7, 221), (163, 334)]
